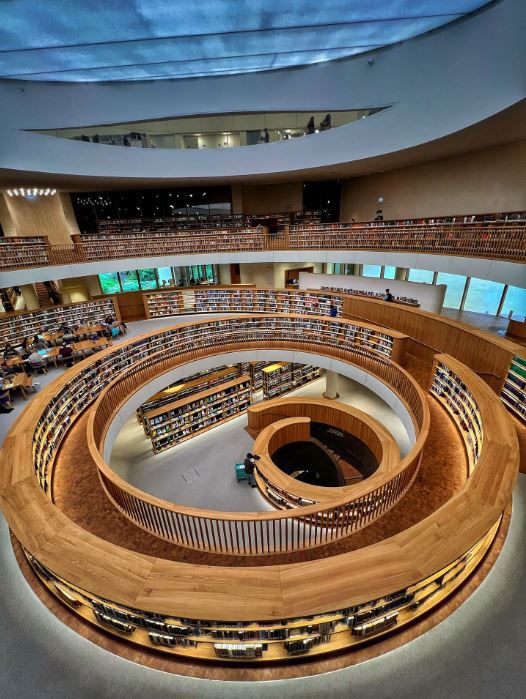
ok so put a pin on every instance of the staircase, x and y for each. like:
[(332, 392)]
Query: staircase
[(349, 473), (43, 295)]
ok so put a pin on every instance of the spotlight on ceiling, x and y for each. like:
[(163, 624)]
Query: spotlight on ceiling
[(31, 192)]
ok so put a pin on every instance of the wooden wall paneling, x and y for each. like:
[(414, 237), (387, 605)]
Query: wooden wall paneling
[(131, 306)]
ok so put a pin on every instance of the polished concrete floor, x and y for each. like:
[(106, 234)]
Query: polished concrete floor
[(478, 651), (200, 472)]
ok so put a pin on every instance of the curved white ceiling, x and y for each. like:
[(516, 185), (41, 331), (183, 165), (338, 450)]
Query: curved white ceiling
[(109, 40)]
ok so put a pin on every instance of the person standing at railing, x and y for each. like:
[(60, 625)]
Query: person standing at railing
[(266, 135), (250, 467), (311, 127)]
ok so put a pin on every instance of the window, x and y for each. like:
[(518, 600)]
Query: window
[(424, 276), (109, 283), (371, 270), (148, 279), (210, 273), (455, 288), (129, 280), (515, 301), (483, 296), (165, 276), (389, 272)]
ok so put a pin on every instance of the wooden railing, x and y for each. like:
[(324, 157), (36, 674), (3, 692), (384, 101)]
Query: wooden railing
[(291, 590), (489, 242), (262, 532)]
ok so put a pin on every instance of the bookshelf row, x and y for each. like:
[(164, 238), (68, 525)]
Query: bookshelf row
[(17, 253), (181, 420), (188, 386), (513, 393), (265, 640), (404, 300), (85, 386), (501, 242), (460, 403), (205, 400), (282, 377), (242, 300), (141, 244), (19, 324)]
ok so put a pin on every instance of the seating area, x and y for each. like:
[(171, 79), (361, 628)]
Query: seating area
[(20, 363)]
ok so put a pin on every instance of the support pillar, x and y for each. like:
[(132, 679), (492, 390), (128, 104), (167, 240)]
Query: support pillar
[(331, 385)]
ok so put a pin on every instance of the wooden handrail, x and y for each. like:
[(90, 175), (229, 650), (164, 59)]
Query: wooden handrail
[(499, 242), (282, 591), (236, 533)]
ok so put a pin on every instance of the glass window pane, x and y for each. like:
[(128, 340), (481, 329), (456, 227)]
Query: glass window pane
[(424, 276), (389, 272), (515, 302), (483, 296), (129, 280), (148, 278), (165, 276), (371, 270), (210, 273), (455, 288), (109, 283)]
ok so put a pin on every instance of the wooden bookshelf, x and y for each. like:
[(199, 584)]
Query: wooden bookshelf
[(272, 640), (402, 300), (238, 300), (283, 377), (191, 609), (188, 386), (494, 241), (452, 392), (16, 325), (27, 251), (180, 420), (99, 246), (513, 393)]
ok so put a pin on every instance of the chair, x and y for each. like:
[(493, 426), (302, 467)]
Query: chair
[(37, 368)]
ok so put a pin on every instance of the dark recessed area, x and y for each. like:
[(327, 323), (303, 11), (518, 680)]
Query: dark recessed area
[(330, 458)]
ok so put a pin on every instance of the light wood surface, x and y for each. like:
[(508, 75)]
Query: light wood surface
[(269, 592), (271, 419), (517, 328)]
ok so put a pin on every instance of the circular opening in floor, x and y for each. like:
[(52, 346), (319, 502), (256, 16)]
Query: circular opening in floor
[(331, 458)]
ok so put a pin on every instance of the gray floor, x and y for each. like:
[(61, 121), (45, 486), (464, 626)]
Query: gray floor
[(477, 652), (200, 473)]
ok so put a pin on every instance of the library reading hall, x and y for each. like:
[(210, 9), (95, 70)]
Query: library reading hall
[(262, 349)]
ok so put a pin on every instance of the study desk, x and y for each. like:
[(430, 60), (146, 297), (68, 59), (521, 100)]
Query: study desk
[(19, 381), (87, 345)]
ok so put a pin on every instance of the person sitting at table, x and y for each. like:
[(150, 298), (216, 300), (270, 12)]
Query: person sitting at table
[(66, 352), (64, 328), (10, 351), (37, 362), (68, 336), (39, 343), (24, 348)]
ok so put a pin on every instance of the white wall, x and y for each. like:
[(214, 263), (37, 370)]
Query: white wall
[(207, 363), (430, 296), (438, 84), (494, 270)]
